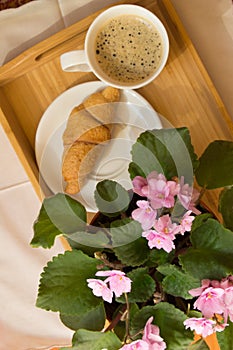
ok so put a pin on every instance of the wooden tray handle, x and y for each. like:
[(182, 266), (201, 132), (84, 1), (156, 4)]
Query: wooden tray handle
[(47, 50)]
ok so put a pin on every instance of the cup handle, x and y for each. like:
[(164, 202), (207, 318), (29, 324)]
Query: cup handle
[(74, 61)]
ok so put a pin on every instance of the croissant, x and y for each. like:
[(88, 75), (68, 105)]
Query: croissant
[(88, 127)]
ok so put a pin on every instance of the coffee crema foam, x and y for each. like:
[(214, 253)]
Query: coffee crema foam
[(128, 48)]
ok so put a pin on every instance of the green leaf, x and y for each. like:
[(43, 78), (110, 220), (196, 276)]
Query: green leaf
[(90, 251), (200, 219), (194, 313), (169, 320), (159, 257), (111, 198), (216, 166), (225, 338), (226, 207), (135, 170), (133, 254), (127, 230), (59, 215), (212, 251), (142, 287), (88, 340), (167, 151), (177, 282), (63, 284), (97, 240), (93, 320)]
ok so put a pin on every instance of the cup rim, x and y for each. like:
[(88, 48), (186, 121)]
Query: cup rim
[(128, 9)]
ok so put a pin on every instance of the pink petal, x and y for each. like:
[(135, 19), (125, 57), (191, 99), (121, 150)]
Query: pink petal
[(138, 183), (210, 302), (201, 326), (100, 289), (119, 284), (144, 214), (197, 291), (110, 273)]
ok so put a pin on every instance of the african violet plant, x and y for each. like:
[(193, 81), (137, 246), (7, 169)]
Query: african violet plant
[(153, 266)]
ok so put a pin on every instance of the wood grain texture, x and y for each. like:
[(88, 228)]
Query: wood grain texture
[(183, 93)]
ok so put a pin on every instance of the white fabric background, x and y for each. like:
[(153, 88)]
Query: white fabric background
[(22, 326)]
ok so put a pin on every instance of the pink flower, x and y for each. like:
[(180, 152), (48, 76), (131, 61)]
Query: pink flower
[(185, 193), (117, 280), (215, 297), (144, 214), (161, 192), (219, 327), (159, 241), (174, 188), (100, 289), (152, 337), (228, 301), (157, 189), (201, 326), (188, 196), (162, 235), (210, 302), (224, 283), (197, 291), (186, 222), (139, 183), (137, 345), (164, 226)]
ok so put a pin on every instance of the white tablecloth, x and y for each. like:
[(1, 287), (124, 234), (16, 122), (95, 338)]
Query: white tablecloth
[(22, 326)]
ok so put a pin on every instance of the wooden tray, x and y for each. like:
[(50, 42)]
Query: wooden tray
[(183, 93)]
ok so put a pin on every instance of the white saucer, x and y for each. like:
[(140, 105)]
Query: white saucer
[(134, 115)]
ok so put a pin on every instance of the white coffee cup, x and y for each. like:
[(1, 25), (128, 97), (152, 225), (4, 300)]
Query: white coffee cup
[(86, 60)]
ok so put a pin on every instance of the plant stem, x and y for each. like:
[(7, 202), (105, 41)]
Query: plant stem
[(102, 257), (127, 318), (116, 319)]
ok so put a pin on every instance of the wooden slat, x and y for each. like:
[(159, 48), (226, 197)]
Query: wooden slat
[(20, 143)]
